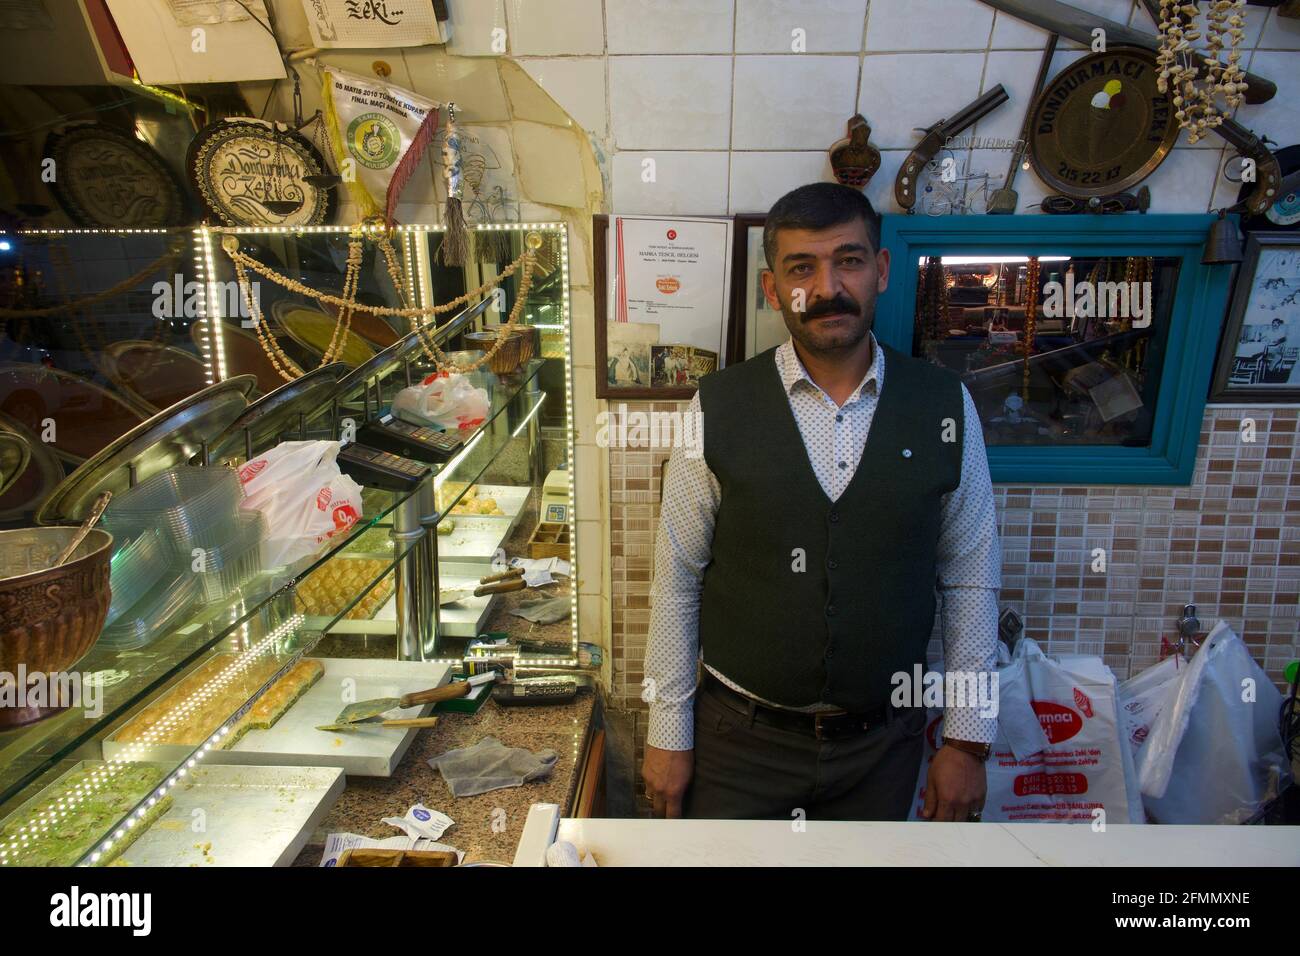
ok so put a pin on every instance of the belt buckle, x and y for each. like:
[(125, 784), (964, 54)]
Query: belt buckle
[(827, 731)]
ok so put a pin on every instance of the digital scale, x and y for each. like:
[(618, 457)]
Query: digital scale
[(410, 441), (555, 497), (381, 469)]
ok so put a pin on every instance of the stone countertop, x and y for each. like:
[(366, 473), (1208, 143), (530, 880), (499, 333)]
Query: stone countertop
[(488, 826)]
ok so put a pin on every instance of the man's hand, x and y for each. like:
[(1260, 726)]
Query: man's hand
[(955, 786), (667, 774)]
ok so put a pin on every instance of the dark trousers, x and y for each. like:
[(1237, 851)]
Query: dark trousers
[(750, 771)]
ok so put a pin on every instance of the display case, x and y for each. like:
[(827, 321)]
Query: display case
[(133, 363), (1087, 341)]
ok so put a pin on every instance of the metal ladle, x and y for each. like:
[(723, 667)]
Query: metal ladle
[(91, 519)]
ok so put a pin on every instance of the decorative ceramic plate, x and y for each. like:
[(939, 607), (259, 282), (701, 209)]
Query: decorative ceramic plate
[(248, 173), (314, 330), (107, 179)]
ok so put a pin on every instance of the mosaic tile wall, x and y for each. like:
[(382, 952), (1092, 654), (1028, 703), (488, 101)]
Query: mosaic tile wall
[(1229, 543)]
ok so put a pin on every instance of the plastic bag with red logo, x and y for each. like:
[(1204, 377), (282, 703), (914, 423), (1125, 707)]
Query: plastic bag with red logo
[(1059, 756), (449, 401), (1214, 753), (304, 497)]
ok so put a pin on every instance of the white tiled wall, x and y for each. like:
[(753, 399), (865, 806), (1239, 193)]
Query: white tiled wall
[(736, 101)]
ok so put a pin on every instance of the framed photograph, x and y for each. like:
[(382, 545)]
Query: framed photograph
[(1259, 357), (663, 303), (756, 326)]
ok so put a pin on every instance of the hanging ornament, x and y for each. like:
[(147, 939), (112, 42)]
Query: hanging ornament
[(380, 133), (455, 243), (1194, 94)]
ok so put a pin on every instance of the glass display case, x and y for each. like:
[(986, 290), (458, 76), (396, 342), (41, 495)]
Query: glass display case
[(1086, 342), (137, 363)]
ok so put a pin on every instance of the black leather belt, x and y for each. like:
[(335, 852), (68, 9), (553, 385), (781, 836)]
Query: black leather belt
[(823, 726)]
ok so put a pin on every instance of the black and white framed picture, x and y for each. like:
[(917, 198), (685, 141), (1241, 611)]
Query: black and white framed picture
[(1259, 358)]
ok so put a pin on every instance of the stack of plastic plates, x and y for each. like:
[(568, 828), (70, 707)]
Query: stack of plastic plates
[(137, 568), (222, 569), (192, 507)]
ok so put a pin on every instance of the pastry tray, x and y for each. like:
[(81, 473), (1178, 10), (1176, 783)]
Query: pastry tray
[(251, 816), (375, 752), (474, 537), (294, 741), (511, 499)]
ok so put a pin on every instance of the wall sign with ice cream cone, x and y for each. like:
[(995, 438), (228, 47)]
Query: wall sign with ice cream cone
[(1101, 125)]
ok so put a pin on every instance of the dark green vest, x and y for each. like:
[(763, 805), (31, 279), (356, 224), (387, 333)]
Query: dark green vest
[(862, 607)]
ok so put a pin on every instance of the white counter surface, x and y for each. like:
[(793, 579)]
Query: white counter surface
[(776, 843)]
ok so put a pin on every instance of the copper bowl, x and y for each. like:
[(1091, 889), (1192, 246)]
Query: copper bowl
[(507, 359), (530, 337), (49, 617)]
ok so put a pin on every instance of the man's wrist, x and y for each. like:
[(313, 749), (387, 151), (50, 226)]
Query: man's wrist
[(978, 750)]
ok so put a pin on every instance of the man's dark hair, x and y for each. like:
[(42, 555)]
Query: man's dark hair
[(819, 206)]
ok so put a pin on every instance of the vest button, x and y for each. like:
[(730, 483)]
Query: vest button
[(832, 564), (830, 652), (830, 610), (834, 516)]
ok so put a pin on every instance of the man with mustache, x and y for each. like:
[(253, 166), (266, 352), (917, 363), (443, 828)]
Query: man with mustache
[(841, 483)]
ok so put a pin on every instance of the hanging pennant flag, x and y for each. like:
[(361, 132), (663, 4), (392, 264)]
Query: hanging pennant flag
[(379, 133)]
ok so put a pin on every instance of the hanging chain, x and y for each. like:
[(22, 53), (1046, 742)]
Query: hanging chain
[(347, 304)]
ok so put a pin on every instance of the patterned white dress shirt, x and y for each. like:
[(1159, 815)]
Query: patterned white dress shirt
[(968, 559)]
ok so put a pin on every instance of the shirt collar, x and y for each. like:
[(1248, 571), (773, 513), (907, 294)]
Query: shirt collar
[(793, 372)]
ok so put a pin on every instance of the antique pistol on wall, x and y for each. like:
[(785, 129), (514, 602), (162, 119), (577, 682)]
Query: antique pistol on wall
[(935, 138)]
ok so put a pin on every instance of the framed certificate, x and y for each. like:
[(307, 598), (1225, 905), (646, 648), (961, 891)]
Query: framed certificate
[(663, 300)]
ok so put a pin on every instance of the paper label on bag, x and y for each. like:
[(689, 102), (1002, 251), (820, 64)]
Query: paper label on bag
[(422, 823)]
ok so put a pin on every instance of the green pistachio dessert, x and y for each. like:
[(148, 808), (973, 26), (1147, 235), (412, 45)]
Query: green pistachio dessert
[(95, 797)]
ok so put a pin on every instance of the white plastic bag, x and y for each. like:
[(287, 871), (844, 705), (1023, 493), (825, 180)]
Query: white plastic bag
[(1059, 754), (304, 497), (1215, 753), (1142, 698), (447, 401)]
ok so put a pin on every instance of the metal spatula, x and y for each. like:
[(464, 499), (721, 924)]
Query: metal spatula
[(363, 710), (452, 595)]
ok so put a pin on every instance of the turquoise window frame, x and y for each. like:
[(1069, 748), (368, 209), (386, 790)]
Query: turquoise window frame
[(1199, 307)]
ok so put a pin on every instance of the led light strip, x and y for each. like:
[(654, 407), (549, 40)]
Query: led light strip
[(101, 776), (242, 662)]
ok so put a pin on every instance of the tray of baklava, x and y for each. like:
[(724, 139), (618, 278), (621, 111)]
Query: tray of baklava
[(280, 727)]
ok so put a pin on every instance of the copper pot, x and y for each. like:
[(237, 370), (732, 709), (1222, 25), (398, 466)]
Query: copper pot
[(49, 617)]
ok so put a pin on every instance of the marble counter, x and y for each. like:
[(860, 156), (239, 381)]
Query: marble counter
[(488, 826), (842, 843)]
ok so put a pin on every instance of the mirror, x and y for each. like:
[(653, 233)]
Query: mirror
[(102, 330)]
